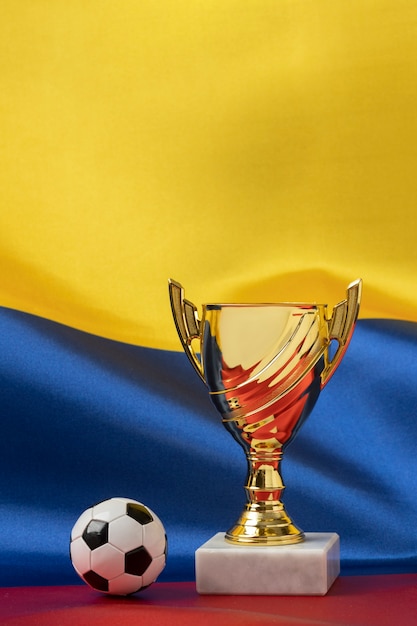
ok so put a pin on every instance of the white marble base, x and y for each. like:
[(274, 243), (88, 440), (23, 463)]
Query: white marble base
[(307, 568)]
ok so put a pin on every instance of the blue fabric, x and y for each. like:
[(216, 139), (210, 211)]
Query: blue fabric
[(85, 418)]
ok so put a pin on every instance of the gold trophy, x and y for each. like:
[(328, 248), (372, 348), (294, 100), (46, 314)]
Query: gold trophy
[(264, 366)]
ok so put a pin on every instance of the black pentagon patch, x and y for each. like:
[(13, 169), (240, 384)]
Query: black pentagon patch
[(139, 512), (137, 561), (96, 534), (96, 581)]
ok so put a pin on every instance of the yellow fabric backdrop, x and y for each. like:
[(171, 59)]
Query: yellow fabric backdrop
[(252, 150)]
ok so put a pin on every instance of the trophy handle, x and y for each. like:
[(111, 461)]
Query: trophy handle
[(341, 327), (187, 323)]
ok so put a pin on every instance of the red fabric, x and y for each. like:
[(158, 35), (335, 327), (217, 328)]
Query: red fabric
[(352, 601)]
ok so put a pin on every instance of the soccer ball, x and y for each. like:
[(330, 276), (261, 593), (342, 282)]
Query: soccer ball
[(118, 546)]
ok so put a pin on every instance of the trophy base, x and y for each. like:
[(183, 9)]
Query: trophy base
[(264, 523), (302, 569)]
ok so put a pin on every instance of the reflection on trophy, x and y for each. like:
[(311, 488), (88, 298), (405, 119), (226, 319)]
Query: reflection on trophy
[(264, 366)]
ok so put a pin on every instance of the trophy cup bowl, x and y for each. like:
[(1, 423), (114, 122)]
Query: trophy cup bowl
[(264, 366)]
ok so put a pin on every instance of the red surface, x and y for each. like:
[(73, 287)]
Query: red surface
[(352, 601)]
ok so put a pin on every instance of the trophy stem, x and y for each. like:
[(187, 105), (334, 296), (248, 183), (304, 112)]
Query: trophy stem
[(264, 519)]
